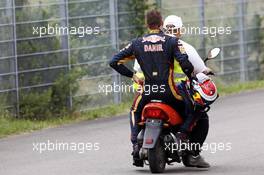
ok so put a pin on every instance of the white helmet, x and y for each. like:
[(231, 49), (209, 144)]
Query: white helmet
[(173, 20), (206, 89)]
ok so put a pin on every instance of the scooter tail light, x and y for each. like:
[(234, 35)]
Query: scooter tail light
[(149, 141), (155, 113)]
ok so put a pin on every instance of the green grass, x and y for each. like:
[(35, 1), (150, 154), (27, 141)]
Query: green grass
[(11, 126), (239, 87)]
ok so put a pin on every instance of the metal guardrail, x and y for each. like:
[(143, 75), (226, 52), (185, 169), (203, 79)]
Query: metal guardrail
[(113, 31)]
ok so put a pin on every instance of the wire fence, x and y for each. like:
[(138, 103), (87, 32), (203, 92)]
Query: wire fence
[(29, 61)]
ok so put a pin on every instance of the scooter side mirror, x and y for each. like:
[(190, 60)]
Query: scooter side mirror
[(213, 53)]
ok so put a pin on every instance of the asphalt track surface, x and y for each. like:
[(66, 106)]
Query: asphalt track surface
[(235, 121)]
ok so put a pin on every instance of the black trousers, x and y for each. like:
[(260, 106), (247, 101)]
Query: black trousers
[(199, 133)]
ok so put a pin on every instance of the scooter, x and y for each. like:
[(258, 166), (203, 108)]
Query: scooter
[(157, 139)]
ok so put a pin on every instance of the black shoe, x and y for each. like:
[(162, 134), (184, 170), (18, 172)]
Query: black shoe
[(136, 159), (194, 161), (138, 162)]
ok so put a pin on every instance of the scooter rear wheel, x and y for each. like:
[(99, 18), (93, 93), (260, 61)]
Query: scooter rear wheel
[(157, 158)]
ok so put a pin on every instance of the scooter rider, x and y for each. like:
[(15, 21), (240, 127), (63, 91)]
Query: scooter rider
[(155, 53), (172, 25)]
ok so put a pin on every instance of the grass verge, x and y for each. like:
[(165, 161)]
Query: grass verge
[(239, 87), (11, 126)]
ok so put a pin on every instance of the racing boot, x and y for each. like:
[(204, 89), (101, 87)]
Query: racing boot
[(136, 159)]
